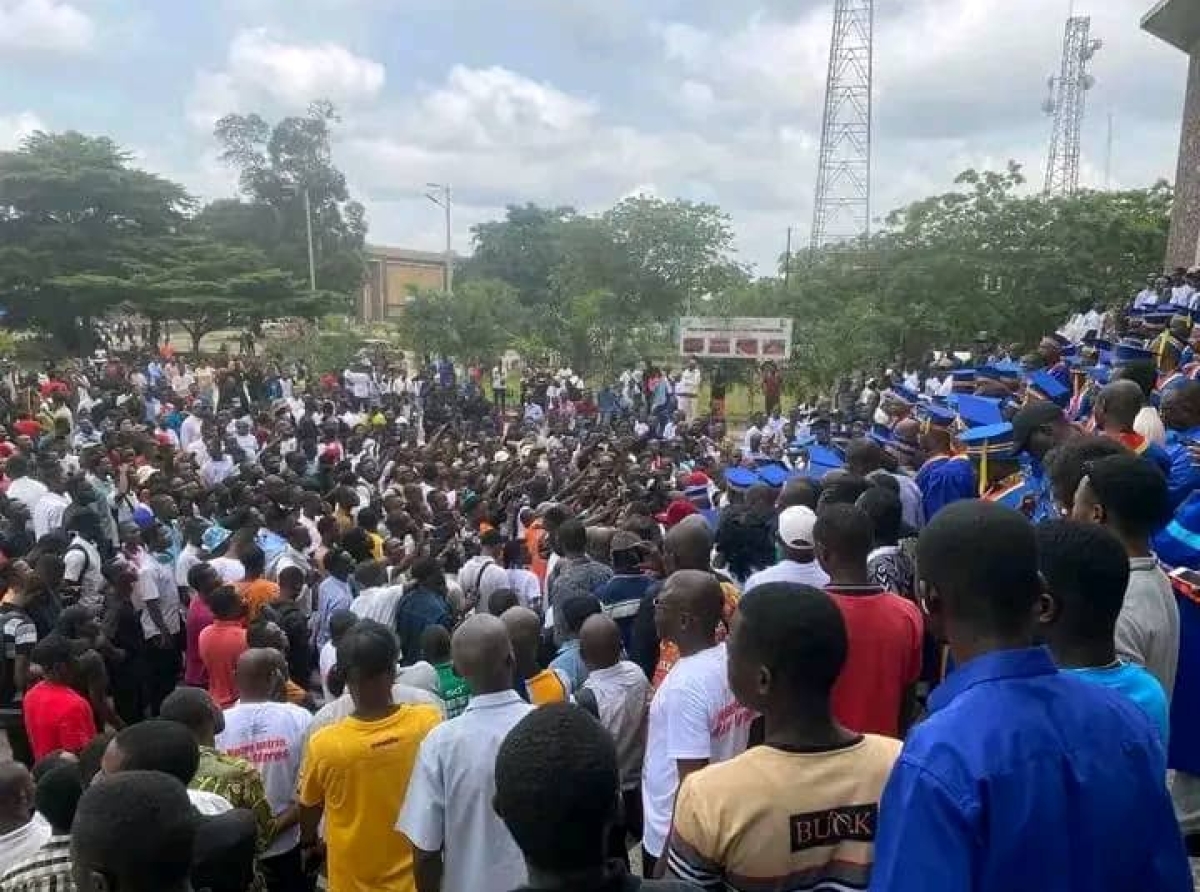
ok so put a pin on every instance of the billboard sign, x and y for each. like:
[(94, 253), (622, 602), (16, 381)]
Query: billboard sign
[(741, 337)]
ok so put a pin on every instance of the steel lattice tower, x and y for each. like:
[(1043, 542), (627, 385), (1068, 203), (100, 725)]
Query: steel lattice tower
[(1068, 96), (842, 206)]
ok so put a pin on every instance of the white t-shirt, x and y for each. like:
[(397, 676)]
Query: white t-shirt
[(326, 660), (81, 564), (209, 804), (48, 513), (229, 569), (156, 582), (449, 800), (789, 571), (525, 583), (19, 844), (27, 491), (479, 577), (693, 716), (270, 736), (378, 604)]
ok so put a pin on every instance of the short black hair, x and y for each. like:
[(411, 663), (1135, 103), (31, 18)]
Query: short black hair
[(556, 787), (981, 557), (798, 632), (576, 609), (368, 650), (52, 651), (502, 599), (882, 505), (847, 530), (341, 622), (253, 559), (92, 754), (1133, 490), (138, 827), (1064, 464), (1087, 570), (435, 643), (225, 603), (190, 707), (1143, 372), (843, 489), (159, 745), (57, 795), (799, 491), (572, 536)]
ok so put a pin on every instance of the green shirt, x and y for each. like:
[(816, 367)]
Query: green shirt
[(455, 691)]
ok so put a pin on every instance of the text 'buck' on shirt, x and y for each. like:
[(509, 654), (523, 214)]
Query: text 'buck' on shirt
[(693, 716)]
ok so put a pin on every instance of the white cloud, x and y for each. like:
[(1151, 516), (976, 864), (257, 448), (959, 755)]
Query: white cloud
[(263, 69), (44, 25), (15, 127)]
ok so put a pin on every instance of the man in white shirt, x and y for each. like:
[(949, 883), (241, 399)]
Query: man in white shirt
[(687, 391), (799, 564), (24, 832), (753, 434), (376, 599), (270, 736), (694, 719), (23, 489), (47, 514), (484, 573), (162, 616), (82, 562), (499, 388), (458, 840), (1147, 297), (616, 692)]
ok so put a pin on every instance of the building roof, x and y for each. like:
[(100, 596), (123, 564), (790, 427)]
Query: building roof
[(1175, 21), (384, 252)]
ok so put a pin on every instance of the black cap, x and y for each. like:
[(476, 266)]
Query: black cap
[(1030, 418)]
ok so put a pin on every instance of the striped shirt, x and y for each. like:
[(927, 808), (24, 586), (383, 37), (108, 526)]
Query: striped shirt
[(48, 870)]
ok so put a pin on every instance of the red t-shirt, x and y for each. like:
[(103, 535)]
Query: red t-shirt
[(220, 646), (27, 427), (57, 718), (884, 658)]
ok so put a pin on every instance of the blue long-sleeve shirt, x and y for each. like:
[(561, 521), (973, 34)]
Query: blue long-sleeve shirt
[(1026, 778), (945, 479), (1184, 475)]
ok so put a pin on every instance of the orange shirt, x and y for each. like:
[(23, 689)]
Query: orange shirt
[(220, 646), (533, 538), (257, 594)]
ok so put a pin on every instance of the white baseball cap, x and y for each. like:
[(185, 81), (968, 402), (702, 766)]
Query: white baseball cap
[(796, 526)]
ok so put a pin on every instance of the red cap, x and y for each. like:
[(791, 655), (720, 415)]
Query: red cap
[(676, 511)]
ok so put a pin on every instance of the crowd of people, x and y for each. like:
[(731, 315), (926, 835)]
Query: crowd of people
[(264, 629)]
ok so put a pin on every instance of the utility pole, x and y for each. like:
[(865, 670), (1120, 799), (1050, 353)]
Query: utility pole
[(1108, 154), (312, 263), (441, 197), (787, 261)]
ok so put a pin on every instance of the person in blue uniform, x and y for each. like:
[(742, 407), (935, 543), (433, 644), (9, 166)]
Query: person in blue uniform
[(1038, 427), (946, 475), (1047, 388), (997, 467)]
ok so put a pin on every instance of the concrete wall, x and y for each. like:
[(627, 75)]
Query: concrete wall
[(1183, 248), (388, 283)]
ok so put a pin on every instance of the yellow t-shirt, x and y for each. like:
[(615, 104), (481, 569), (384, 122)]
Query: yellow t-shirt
[(360, 771), (784, 820)]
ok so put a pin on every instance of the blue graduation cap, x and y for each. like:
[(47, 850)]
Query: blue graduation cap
[(990, 441), (1003, 372), (963, 380), (804, 442), (881, 434), (822, 460), (979, 411), (1101, 374), (1129, 351), (773, 474), (1102, 344), (741, 478), (936, 416), (1044, 386), (902, 394)]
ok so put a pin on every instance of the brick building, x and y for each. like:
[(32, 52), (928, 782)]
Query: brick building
[(392, 274)]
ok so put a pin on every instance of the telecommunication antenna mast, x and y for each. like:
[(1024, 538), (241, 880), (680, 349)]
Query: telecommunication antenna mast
[(1065, 104), (842, 206)]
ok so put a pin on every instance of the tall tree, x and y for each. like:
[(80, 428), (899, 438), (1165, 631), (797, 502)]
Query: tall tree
[(278, 167), (69, 204), (481, 320)]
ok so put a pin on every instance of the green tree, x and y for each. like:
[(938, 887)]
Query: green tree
[(481, 320), (278, 166), (69, 206)]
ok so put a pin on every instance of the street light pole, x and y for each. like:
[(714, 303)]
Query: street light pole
[(312, 263), (443, 201)]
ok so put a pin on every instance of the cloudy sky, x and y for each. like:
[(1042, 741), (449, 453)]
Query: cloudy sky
[(583, 102)]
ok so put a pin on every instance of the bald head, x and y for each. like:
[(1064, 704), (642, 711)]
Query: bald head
[(599, 642), (1181, 406), (688, 544), (260, 672), (16, 796), (1118, 404), (483, 653), (690, 608), (524, 631)]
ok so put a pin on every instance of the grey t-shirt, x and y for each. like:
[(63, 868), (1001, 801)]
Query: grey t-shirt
[(1148, 627)]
